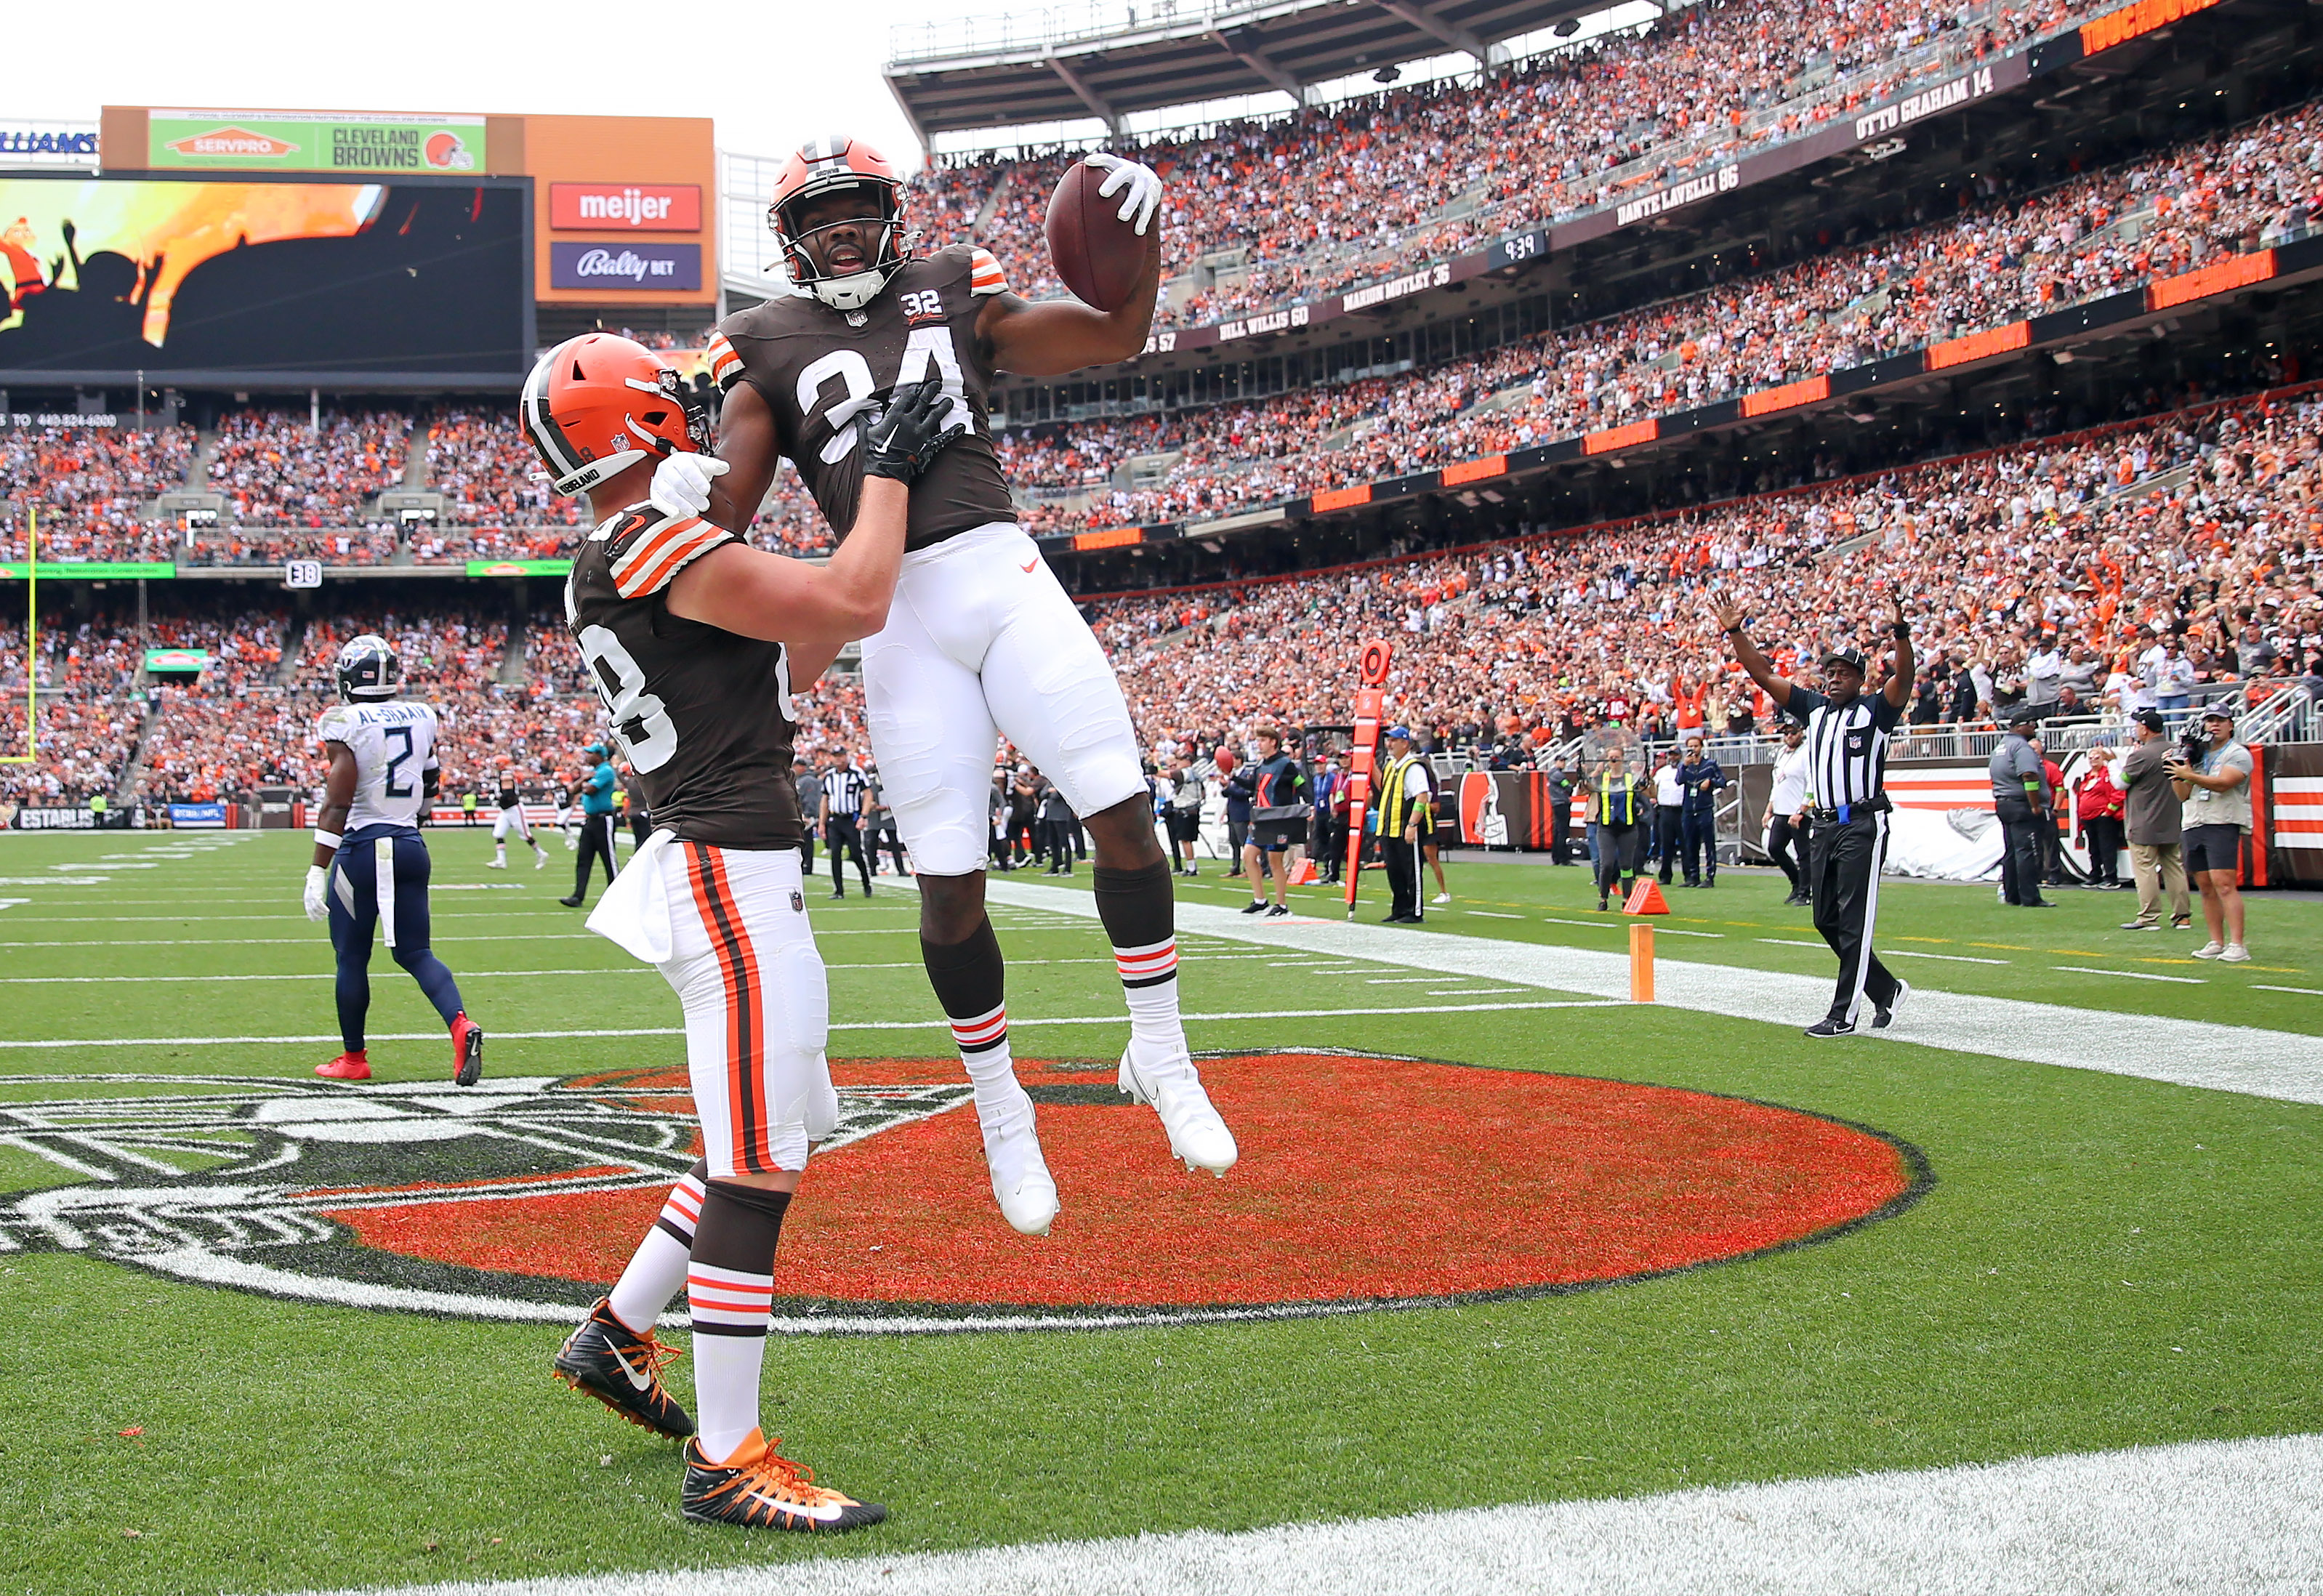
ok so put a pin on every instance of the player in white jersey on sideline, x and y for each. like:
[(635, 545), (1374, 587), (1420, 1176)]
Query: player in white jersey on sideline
[(370, 869)]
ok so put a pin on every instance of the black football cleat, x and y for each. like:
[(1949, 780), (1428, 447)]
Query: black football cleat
[(759, 1488), (1824, 1030), (606, 1360)]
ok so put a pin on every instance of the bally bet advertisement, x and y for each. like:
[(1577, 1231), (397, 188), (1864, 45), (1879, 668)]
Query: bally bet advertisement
[(100, 276)]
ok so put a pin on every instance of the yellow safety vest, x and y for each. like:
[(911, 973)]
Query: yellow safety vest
[(1606, 815), (1393, 801)]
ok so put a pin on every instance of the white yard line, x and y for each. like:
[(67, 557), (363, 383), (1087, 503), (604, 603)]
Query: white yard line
[(2201, 1518), (2083, 970), (2288, 1065), (1016, 1022)]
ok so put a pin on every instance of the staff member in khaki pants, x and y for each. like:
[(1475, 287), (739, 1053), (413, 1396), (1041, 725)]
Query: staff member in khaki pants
[(2154, 818)]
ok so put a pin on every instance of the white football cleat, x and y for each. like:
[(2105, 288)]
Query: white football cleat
[(1197, 1134), (540, 859), (1021, 1183), (495, 863)]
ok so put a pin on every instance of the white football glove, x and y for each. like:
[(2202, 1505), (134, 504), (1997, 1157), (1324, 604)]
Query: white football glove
[(1144, 183), (681, 484), (318, 892)]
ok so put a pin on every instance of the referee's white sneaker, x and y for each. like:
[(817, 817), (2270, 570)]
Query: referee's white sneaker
[(1197, 1134), (1021, 1183)]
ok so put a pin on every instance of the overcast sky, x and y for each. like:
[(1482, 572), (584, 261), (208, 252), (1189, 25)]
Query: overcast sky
[(771, 74)]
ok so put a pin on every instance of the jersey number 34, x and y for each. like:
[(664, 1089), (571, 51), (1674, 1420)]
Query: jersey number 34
[(926, 346)]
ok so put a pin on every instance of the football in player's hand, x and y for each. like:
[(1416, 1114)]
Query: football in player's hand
[(1096, 254)]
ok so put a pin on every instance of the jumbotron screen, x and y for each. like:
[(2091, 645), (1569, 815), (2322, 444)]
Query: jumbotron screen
[(114, 277)]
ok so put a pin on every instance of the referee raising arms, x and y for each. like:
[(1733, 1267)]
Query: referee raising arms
[(1847, 798)]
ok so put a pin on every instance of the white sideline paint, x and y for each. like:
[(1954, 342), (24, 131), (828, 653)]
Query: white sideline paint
[(2281, 1064), (2223, 1516)]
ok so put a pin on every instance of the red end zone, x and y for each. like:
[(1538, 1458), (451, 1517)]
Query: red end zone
[(1361, 1179)]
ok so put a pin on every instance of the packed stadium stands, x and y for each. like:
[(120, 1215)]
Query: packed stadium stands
[(275, 470), (2199, 519), (1998, 260), (2071, 561), (1344, 194)]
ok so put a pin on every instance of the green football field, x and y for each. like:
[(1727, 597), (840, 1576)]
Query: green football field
[(2078, 1260)]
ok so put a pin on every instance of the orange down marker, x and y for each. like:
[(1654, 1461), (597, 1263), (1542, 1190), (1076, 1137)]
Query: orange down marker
[(1641, 964)]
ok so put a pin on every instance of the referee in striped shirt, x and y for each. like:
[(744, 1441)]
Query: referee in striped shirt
[(1847, 768), (842, 825)]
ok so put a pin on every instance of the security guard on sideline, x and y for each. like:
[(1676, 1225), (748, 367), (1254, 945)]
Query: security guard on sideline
[(2020, 797), (1407, 815), (1847, 798)]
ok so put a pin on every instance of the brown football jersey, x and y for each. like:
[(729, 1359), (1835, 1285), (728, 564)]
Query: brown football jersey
[(826, 374), (704, 716)]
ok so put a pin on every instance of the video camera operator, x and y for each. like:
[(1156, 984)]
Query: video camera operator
[(2212, 778)]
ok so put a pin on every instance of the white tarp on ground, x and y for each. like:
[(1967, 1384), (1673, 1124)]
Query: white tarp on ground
[(1944, 845)]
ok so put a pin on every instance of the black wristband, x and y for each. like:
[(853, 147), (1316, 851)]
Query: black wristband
[(1902, 628)]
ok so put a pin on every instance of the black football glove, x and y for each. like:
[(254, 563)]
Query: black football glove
[(904, 441)]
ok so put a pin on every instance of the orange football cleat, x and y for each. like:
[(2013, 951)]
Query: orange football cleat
[(759, 1488), (352, 1065)]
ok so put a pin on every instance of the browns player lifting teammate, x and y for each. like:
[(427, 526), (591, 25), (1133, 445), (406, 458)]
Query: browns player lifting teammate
[(694, 639), (981, 641)]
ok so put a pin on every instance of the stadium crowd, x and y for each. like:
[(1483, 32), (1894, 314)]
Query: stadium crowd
[(2139, 566), (479, 463), (1323, 198), (2000, 260), (91, 485), (2142, 565), (273, 469)]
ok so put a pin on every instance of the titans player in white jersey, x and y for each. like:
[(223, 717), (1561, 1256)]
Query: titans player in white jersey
[(370, 871)]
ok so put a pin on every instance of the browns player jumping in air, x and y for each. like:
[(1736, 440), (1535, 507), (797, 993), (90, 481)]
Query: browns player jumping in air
[(981, 641)]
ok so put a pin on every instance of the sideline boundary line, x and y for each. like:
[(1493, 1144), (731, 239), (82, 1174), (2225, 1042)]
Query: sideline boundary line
[(2197, 1517), (2259, 1063)]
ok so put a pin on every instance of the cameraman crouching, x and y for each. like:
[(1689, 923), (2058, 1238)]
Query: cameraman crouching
[(2211, 777)]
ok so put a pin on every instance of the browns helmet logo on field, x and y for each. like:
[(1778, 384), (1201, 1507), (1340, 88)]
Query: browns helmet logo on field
[(519, 1198)]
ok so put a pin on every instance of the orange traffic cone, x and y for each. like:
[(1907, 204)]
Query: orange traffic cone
[(1305, 875), (1645, 898)]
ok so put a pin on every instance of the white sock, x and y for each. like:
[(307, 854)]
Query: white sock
[(731, 1308), (991, 1067), (657, 1268), (1149, 985)]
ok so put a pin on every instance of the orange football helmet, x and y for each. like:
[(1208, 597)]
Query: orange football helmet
[(596, 405), (818, 166)]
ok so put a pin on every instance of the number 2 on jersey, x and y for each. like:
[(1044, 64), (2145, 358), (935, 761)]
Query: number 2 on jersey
[(389, 785), (926, 346)]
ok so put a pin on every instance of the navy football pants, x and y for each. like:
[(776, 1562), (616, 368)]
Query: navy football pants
[(361, 903)]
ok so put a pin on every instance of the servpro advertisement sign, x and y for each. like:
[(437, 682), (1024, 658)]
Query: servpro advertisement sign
[(314, 142)]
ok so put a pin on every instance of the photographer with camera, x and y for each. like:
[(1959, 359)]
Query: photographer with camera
[(2212, 778)]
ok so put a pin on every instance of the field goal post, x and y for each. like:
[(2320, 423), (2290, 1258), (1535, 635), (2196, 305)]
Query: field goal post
[(31, 753)]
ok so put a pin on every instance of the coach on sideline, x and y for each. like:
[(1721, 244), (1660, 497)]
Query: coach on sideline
[(1847, 798)]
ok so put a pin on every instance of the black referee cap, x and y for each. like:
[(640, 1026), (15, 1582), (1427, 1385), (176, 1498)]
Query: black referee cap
[(1848, 654)]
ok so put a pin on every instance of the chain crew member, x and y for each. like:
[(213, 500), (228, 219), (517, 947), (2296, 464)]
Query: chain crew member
[(1406, 816), (1847, 802)]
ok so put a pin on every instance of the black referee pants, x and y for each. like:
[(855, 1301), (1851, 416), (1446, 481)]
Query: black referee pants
[(596, 842), (1843, 859), (1785, 845), (846, 837)]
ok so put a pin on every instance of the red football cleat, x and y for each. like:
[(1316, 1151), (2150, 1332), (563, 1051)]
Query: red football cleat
[(467, 1051), (352, 1065)]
